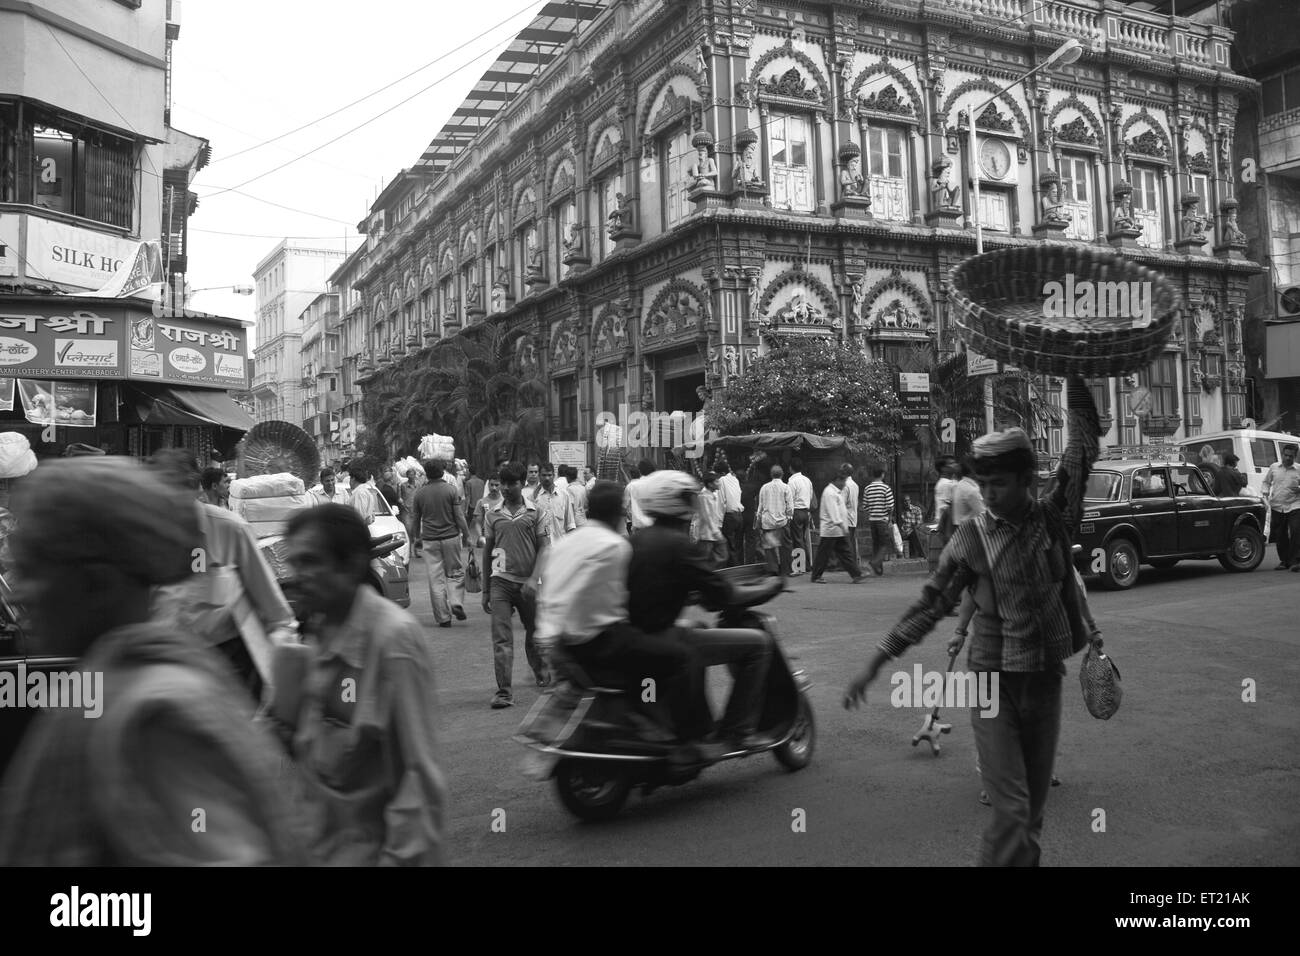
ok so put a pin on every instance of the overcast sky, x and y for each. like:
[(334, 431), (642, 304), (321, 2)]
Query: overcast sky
[(248, 71)]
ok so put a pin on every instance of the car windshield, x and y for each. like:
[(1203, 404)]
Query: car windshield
[(1102, 486)]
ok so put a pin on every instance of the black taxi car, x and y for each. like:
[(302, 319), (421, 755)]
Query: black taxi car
[(1158, 512)]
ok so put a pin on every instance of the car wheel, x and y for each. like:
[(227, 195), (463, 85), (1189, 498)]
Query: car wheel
[(1121, 571), (1245, 549), (1163, 562)]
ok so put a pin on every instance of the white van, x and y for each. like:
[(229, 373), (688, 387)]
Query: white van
[(1255, 449)]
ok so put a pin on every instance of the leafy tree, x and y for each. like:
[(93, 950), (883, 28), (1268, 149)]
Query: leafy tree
[(813, 385)]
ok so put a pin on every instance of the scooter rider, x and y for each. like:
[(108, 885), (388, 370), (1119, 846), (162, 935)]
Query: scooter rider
[(665, 569)]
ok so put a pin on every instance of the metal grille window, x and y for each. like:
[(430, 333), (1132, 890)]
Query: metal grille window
[(87, 173), (568, 389), (676, 154), (1162, 379), (613, 388)]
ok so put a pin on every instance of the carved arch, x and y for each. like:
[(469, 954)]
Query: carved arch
[(796, 275), (664, 311), (427, 272), (918, 101), (612, 331), (983, 83), (894, 283), (1144, 115), (1089, 117), (665, 77), (564, 162), (468, 243), (524, 206), (447, 259), (618, 144), (379, 313), (803, 59), (565, 347), (409, 287)]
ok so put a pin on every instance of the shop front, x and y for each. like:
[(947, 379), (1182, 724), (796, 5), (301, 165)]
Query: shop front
[(114, 374)]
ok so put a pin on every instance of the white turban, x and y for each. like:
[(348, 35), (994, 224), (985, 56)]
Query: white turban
[(999, 443)]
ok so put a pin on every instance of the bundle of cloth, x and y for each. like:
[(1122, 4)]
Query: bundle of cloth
[(268, 501), (438, 446)]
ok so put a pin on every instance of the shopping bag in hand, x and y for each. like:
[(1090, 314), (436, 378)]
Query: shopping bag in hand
[(1099, 678), (898, 540), (473, 583)]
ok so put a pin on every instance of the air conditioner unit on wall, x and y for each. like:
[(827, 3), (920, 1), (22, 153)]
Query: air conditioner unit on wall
[(1288, 301)]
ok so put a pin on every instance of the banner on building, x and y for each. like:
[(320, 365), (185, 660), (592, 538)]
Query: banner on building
[(977, 364), (67, 404), (73, 256), (9, 237), (6, 394), (141, 275)]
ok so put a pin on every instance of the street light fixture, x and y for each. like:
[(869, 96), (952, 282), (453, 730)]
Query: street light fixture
[(1067, 52), (236, 289)]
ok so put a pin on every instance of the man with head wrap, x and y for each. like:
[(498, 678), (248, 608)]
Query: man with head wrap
[(1030, 618), (173, 736)]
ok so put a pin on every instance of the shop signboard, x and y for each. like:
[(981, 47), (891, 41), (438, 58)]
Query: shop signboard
[(72, 338), (914, 397), (9, 238), (67, 404), (70, 255), (568, 453)]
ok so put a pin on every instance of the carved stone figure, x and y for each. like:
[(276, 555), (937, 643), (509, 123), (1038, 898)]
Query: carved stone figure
[(473, 296), (1122, 211), (1193, 224), (1049, 202), (747, 170), (755, 295), (1232, 234), (732, 359), (703, 169), (534, 256), (852, 182), (859, 294), (942, 188), (573, 244)]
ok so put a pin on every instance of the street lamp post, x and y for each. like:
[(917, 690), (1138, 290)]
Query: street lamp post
[(1067, 52)]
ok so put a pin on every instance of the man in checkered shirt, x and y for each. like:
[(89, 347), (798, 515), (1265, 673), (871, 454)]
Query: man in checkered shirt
[(1017, 555)]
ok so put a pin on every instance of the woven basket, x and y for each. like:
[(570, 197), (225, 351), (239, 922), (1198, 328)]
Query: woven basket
[(999, 307)]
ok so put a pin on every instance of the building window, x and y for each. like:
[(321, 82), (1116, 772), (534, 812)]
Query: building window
[(790, 146), (613, 387), (887, 165), (675, 156), (1282, 92), (568, 389), (78, 171), (607, 191), (426, 310), (1101, 396), (446, 295), (1147, 208), (563, 215), (995, 209), (1162, 379), (468, 285), (1076, 195)]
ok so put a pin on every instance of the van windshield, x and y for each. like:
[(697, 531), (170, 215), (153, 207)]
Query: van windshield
[(1195, 452)]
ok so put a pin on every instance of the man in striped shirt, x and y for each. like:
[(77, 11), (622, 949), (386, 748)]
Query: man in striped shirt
[(1029, 620), (512, 566), (775, 509), (878, 506)]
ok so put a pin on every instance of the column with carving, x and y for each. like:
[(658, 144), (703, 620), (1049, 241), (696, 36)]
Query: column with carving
[(577, 245)]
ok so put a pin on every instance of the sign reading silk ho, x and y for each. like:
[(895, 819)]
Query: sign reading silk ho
[(685, 430)]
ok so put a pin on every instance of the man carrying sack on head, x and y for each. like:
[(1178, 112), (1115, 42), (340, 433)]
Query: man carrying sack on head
[(1029, 619)]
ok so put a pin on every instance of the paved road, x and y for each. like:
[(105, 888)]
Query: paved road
[(1186, 773)]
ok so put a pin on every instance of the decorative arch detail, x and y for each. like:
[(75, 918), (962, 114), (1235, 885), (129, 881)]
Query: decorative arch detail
[(427, 272), (447, 258), (566, 345), (987, 85), (468, 244), (1074, 102), (899, 77), (561, 177), (680, 309), (409, 287), (603, 146), (611, 333), (1160, 134), (665, 79), (788, 49), (887, 294), (801, 277), (525, 203)]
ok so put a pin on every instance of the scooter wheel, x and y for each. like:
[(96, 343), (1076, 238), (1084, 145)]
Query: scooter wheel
[(796, 753), (591, 790)]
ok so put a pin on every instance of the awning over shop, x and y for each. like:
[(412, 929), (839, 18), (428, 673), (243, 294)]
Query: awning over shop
[(786, 441), (175, 405)]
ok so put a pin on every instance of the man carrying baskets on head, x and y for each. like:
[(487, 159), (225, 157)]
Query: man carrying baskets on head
[(1030, 618)]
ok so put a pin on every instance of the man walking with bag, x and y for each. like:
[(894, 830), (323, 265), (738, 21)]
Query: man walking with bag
[(440, 515), (1017, 555), (878, 506)]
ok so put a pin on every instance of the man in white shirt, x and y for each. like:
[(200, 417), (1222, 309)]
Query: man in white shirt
[(733, 513), (967, 502), (801, 488), (834, 528), (577, 492), (851, 506), (582, 607), (532, 483), (772, 518), (554, 506), (328, 491), (943, 488), (365, 497), (1281, 489)]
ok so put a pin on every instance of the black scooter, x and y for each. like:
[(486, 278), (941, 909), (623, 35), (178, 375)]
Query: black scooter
[(586, 736)]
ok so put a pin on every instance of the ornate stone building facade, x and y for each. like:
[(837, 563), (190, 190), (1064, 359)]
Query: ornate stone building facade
[(682, 175)]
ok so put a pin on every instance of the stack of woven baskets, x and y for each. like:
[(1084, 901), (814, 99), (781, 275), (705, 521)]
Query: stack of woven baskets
[(999, 309)]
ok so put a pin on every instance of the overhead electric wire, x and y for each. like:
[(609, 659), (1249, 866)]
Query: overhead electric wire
[(359, 126), (388, 86)]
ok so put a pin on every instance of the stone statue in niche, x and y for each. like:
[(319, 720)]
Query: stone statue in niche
[(852, 182), (703, 169), (614, 222), (1192, 224), (573, 244), (1053, 209), (942, 188), (534, 256), (732, 359), (755, 296), (1122, 209), (1232, 234), (473, 296), (747, 170), (859, 294)]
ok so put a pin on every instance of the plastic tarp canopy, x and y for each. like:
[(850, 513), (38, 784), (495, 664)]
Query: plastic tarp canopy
[(163, 405), (787, 441)]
